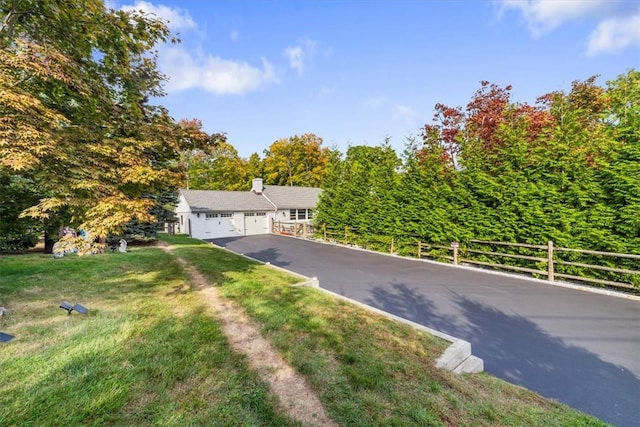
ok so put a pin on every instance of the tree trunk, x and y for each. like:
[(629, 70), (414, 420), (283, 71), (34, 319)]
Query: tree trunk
[(48, 243)]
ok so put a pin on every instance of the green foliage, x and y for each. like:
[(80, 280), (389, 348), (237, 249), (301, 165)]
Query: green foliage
[(566, 169), (299, 160), (139, 232), (16, 194), (359, 191), (75, 83), (217, 168)]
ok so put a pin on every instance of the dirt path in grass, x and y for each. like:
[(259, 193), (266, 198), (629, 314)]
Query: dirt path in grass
[(295, 395)]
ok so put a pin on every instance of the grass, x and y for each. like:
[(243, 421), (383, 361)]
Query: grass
[(150, 351)]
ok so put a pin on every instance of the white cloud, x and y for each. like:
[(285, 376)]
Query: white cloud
[(295, 55), (212, 73), (301, 55), (405, 113), (615, 31), (542, 16), (175, 18), (187, 69), (613, 35)]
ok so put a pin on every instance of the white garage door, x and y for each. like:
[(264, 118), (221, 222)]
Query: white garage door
[(255, 223), (216, 225)]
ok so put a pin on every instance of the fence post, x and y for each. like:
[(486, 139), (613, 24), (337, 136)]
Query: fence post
[(324, 229), (419, 249), (391, 246), (550, 271), (304, 230), (455, 245)]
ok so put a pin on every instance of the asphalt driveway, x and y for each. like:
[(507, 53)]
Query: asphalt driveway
[(578, 347)]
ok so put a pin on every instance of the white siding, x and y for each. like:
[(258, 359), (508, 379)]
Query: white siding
[(182, 212), (241, 218), (282, 215)]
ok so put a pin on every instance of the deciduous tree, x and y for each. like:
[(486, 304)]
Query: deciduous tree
[(75, 84), (299, 160)]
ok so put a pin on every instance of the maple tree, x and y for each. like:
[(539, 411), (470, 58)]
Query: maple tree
[(75, 83), (218, 168), (442, 139), (298, 160)]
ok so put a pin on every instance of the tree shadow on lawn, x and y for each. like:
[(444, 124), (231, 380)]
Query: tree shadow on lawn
[(517, 350)]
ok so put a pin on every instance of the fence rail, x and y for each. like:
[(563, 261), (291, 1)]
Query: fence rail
[(544, 261)]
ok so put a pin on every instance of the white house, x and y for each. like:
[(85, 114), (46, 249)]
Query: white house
[(210, 214)]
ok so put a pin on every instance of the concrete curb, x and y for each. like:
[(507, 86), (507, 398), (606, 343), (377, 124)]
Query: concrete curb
[(457, 358)]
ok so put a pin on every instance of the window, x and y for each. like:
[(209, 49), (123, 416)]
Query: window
[(226, 215), (212, 215), (300, 214), (261, 214), (249, 214)]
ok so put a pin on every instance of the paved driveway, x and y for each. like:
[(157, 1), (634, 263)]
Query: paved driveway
[(578, 347)]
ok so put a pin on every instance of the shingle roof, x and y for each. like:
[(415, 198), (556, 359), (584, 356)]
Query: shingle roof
[(292, 197), (230, 201), (283, 197)]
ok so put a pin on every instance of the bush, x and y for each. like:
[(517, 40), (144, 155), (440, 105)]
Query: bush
[(18, 242)]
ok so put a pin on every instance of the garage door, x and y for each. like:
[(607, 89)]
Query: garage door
[(215, 225), (255, 223)]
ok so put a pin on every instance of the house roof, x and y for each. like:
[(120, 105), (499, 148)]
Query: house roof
[(213, 200), (292, 197), (281, 196)]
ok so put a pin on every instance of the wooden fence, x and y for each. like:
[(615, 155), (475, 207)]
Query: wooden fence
[(611, 269)]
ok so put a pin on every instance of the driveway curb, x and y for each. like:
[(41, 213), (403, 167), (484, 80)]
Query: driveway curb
[(457, 358)]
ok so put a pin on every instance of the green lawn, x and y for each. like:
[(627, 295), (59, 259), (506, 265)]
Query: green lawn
[(150, 351)]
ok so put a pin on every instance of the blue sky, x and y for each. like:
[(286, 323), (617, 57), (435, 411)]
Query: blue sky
[(355, 72)]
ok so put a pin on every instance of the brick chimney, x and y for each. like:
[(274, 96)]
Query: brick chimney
[(257, 186)]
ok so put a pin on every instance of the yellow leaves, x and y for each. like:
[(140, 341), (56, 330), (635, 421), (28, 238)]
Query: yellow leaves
[(73, 112), (110, 214), (42, 209), (299, 160), (80, 245), (27, 126), (29, 60), (144, 175)]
